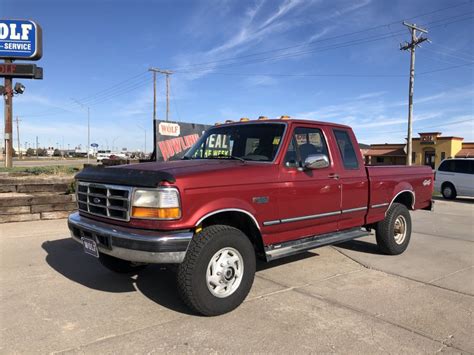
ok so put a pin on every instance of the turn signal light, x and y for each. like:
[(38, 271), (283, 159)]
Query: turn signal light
[(156, 213)]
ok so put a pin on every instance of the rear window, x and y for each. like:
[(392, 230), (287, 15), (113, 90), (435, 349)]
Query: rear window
[(348, 155)]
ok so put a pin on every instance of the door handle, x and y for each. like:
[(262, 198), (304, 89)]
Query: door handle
[(333, 176)]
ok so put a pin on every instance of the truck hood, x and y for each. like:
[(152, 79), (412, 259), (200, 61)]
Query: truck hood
[(189, 173), (209, 173)]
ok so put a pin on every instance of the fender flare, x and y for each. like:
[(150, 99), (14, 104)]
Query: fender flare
[(228, 210), (401, 192)]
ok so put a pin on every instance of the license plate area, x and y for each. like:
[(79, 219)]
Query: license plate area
[(90, 247)]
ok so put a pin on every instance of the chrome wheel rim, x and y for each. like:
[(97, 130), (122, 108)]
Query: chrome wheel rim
[(224, 272), (400, 230)]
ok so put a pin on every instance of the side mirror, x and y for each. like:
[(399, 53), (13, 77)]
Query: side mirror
[(316, 161)]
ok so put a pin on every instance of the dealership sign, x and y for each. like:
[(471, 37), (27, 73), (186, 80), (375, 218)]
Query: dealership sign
[(173, 139), (20, 39), (169, 129)]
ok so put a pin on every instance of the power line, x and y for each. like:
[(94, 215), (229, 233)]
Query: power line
[(323, 40), (352, 42), (433, 126), (329, 38), (447, 68)]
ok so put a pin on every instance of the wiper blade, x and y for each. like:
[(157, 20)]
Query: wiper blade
[(231, 157)]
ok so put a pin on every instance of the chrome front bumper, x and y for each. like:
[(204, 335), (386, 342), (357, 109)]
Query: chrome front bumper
[(138, 245)]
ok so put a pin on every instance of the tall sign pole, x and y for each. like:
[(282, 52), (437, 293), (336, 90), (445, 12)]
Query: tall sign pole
[(19, 40), (8, 120), (415, 41)]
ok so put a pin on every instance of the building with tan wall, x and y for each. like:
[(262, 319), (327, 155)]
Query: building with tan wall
[(428, 149)]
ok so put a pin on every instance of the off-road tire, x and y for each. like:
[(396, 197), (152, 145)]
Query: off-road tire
[(385, 230), (448, 191), (120, 266), (192, 282)]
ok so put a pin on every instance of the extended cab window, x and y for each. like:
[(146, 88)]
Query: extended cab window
[(305, 142), (253, 142), (348, 154)]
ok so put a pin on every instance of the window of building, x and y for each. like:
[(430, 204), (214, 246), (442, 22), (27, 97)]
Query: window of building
[(413, 157), (379, 160), (348, 155), (443, 155)]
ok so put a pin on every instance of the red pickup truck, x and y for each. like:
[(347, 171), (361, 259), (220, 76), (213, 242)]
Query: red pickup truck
[(264, 188)]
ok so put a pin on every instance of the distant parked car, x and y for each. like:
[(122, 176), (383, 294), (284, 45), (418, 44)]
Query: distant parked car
[(103, 154), (455, 177)]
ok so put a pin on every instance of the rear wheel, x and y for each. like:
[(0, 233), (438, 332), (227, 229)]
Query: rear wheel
[(449, 191), (218, 270), (120, 266), (394, 232)]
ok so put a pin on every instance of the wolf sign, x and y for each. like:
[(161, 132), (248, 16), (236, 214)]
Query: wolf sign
[(20, 39)]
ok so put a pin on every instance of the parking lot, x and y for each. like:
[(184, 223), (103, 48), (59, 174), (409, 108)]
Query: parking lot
[(344, 299)]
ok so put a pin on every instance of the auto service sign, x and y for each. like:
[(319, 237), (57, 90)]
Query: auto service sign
[(20, 39)]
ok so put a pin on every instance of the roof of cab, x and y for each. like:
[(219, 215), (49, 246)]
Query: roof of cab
[(284, 120)]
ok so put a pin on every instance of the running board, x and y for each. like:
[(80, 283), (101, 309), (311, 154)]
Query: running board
[(277, 251)]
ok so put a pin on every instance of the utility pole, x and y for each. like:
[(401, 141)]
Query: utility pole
[(167, 95), (167, 73), (17, 120), (8, 120), (37, 147), (415, 41)]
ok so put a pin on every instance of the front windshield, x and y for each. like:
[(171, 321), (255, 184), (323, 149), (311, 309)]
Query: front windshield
[(253, 142)]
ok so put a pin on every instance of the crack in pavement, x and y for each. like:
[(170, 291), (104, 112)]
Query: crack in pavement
[(425, 283), (380, 317)]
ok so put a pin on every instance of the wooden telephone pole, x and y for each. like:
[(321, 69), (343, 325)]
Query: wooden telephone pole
[(167, 73), (415, 41)]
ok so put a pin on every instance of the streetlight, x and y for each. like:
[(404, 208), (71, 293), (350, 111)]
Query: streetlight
[(113, 144), (144, 130), (88, 126)]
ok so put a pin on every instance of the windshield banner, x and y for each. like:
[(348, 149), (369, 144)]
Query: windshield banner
[(173, 139)]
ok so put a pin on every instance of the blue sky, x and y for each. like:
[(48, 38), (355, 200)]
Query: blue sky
[(308, 59)]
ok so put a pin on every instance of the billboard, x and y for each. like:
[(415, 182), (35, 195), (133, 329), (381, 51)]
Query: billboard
[(20, 39), (173, 139)]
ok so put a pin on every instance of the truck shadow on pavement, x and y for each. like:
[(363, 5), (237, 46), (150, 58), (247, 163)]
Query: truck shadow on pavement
[(156, 282), (360, 246)]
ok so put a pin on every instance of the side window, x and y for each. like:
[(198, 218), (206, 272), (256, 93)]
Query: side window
[(305, 142), (448, 165), (461, 166), (348, 155)]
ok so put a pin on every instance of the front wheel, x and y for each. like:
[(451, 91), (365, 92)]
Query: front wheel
[(394, 232), (218, 270)]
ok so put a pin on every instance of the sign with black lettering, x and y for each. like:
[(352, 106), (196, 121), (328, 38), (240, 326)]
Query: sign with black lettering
[(173, 139)]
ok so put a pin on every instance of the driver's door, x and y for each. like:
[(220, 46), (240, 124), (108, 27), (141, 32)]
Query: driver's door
[(309, 200)]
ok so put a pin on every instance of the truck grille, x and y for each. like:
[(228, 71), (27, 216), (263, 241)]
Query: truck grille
[(103, 200)]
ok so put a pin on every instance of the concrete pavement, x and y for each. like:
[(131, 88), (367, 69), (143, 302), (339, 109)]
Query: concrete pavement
[(345, 299)]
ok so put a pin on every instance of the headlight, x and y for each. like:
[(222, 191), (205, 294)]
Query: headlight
[(160, 203)]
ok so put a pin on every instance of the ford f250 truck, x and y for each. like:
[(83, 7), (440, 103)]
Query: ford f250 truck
[(245, 190)]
